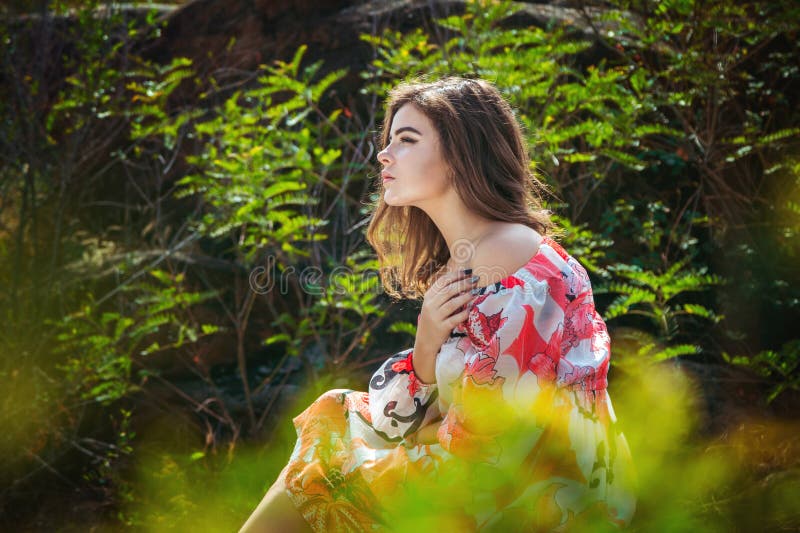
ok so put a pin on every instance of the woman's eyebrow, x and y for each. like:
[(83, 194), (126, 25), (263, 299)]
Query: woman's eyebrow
[(398, 131)]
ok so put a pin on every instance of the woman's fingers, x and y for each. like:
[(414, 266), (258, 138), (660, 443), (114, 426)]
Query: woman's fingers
[(457, 318), (463, 285), (457, 304), (454, 296), (446, 287), (444, 281), (446, 304), (459, 286)]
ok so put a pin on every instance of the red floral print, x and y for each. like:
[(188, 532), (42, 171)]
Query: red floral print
[(530, 363)]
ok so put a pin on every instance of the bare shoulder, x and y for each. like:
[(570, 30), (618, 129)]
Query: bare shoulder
[(504, 252)]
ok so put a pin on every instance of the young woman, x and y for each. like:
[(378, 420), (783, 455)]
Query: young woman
[(498, 418)]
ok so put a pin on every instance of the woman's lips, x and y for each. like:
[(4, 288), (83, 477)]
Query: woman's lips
[(385, 180)]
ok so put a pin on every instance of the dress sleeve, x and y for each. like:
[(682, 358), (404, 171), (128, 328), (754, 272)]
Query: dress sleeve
[(512, 348), (399, 403)]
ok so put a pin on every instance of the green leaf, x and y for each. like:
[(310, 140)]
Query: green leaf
[(280, 337), (403, 327)]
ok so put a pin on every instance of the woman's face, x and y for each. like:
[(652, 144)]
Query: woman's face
[(413, 159)]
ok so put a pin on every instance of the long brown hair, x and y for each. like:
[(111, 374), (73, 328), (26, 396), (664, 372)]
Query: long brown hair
[(489, 168)]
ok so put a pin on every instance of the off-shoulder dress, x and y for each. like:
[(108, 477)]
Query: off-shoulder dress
[(527, 436)]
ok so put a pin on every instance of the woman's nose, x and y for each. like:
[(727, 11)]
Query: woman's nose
[(384, 157)]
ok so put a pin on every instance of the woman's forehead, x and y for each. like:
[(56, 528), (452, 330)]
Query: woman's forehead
[(408, 116)]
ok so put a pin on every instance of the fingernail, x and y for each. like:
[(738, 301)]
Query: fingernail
[(475, 291), (474, 279), (468, 271)]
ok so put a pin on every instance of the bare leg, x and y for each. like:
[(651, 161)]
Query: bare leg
[(276, 513)]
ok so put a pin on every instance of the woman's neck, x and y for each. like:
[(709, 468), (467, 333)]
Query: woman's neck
[(462, 229)]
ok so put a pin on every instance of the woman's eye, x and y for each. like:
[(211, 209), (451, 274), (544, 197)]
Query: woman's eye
[(402, 140)]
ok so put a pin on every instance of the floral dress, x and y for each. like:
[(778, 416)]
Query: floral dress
[(527, 437)]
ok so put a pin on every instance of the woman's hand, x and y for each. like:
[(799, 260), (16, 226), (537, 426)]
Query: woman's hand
[(425, 434), (443, 308)]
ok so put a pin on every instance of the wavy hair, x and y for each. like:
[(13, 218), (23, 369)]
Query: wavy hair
[(488, 166)]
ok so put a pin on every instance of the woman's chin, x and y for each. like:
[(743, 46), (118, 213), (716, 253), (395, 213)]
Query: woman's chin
[(392, 200)]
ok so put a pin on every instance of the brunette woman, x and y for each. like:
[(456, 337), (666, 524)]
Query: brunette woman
[(498, 418)]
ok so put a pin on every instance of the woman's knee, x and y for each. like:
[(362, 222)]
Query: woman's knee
[(276, 512)]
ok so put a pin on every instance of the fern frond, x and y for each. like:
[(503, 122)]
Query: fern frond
[(675, 351)]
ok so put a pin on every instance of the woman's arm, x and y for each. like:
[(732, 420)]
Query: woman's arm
[(399, 403), (403, 393), (425, 434)]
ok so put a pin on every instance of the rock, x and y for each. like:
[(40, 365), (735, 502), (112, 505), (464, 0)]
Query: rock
[(229, 38)]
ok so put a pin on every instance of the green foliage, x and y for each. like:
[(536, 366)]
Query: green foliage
[(781, 366), (91, 91), (649, 225), (650, 294), (344, 311), (786, 213), (261, 155), (403, 327), (101, 347), (150, 88), (661, 133), (261, 176), (588, 247), (702, 66), (655, 106), (63, 103), (573, 117)]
